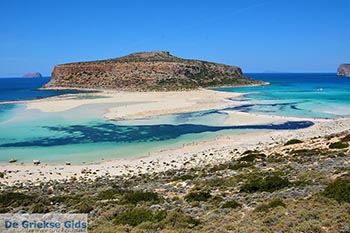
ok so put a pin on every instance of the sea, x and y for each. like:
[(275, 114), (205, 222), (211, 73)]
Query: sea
[(83, 135)]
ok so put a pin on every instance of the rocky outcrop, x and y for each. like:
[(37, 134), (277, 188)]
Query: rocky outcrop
[(344, 70), (147, 71), (32, 75)]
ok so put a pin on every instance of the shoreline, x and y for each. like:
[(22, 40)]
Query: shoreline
[(192, 154)]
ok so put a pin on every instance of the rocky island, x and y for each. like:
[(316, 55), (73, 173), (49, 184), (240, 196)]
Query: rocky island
[(32, 75), (344, 70), (147, 71)]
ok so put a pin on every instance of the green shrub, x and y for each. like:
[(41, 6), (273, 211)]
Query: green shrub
[(305, 152), (268, 184), (183, 177), (2, 174), (272, 204), (346, 138), (251, 157), (219, 167), (248, 152), (109, 194), (178, 220), (239, 165), (338, 190), (135, 197), (262, 208), (15, 199), (338, 145), (293, 141), (39, 208), (231, 204), (138, 216), (197, 196), (276, 202), (84, 207), (214, 182)]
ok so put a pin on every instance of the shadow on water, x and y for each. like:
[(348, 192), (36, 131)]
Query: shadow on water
[(108, 132)]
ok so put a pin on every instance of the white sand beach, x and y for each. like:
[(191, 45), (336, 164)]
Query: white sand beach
[(131, 105)]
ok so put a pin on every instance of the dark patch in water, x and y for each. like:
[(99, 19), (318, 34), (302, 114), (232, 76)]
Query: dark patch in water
[(279, 106), (109, 132)]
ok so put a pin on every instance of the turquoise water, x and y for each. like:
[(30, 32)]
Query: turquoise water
[(83, 135), (299, 95)]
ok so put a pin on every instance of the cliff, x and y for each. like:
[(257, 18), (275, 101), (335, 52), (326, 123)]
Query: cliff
[(344, 70), (147, 71)]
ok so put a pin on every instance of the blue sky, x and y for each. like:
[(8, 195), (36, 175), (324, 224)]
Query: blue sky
[(257, 35)]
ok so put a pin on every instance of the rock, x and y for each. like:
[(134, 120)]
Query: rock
[(147, 71), (344, 70), (12, 160), (32, 75), (156, 207), (36, 162)]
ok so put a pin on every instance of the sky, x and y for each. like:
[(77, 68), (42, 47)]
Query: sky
[(256, 35)]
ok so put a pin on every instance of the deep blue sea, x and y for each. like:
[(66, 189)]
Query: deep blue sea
[(83, 135), (26, 89)]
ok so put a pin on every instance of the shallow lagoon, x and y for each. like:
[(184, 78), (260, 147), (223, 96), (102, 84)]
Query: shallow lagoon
[(83, 135)]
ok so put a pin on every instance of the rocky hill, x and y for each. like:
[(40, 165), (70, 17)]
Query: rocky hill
[(344, 70), (147, 71)]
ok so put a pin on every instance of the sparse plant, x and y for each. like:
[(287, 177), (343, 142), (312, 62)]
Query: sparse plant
[(197, 196), (269, 183), (292, 142), (339, 145), (338, 190), (233, 204)]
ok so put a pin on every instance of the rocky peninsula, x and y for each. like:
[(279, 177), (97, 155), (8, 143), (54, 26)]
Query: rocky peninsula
[(147, 71), (344, 70)]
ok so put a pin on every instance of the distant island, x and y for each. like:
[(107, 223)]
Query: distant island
[(344, 70), (32, 75), (147, 71)]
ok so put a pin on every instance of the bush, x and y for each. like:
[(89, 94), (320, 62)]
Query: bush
[(276, 202), (346, 138), (231, 204), (138, 216), (251, 157), (178, 220), (110, 193), (305, 152), (272, 204), (197, 196), (268, 184), (262, 208), (293, 141), (135, 197), (15, 199), (183, 177), (39, 208), (338, 190), (239, 165), (84, 207), (338, 145), (2, 174)]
